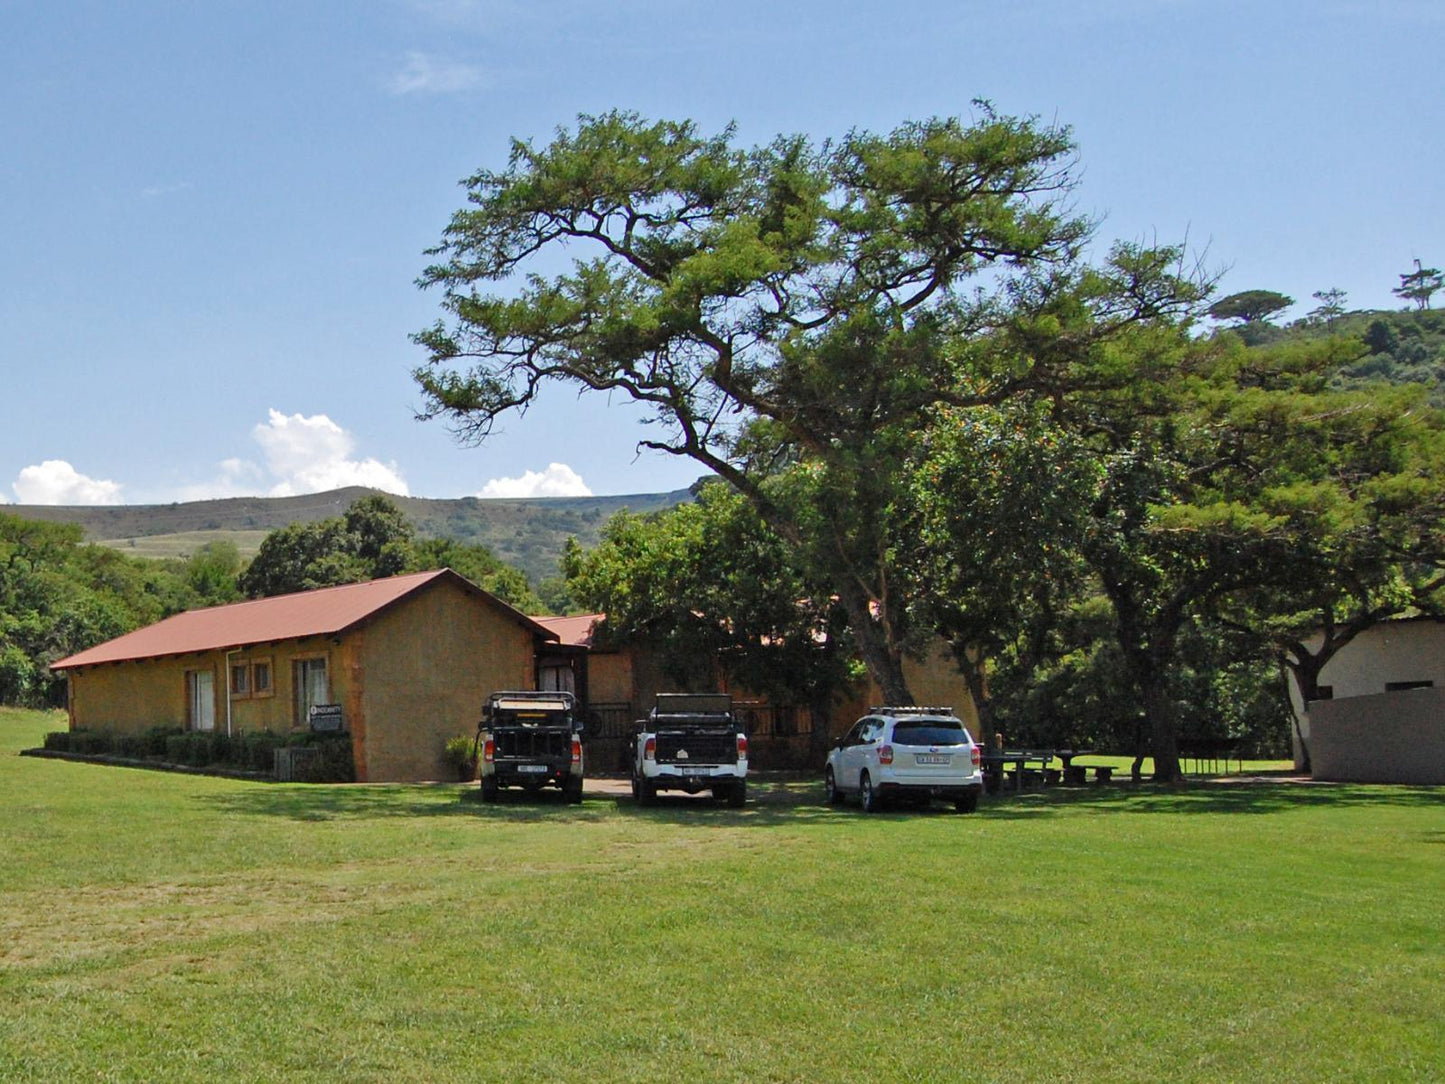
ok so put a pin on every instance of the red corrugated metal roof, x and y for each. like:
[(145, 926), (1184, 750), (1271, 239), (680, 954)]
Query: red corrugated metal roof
[(573, 631), (325, 611)]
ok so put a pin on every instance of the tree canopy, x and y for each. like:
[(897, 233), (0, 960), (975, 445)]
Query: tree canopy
[(60, 595), (1250, 306), (786, 312), (373, 539), (709, 586), (1420, 285)]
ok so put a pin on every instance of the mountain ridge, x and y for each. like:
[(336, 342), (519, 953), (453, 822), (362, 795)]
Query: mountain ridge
[(526, 532)]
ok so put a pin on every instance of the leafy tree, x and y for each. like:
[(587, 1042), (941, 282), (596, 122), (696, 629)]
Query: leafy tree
[(1250, 306), (1420, 285), (1374, 549), (381, 536), (372, 540), (1331, 307), (211, 572), (480, 565), (710, 586), (303, 556), (999, 498), (59, 595), (1381, 338), (787, 313), (1218, 480)]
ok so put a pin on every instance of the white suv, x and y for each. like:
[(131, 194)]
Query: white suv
[(922, 753)]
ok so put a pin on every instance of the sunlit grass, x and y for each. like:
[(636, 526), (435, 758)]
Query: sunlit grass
[(169, 927)]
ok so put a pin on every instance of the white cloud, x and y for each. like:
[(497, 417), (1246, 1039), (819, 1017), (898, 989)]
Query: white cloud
[(311, 455), (56, 482), (558, 480), (424, 74)]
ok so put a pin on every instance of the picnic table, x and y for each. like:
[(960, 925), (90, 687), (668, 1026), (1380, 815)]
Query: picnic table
[(1071, 772), (996, 765)]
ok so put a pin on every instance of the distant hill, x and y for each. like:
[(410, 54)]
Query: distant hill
[(528, 534)]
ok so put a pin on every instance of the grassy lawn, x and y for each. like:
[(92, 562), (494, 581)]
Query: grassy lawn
[(168, 927)]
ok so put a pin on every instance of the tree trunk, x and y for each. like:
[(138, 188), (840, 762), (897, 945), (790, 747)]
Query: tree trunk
[(876, 647), (1163, 727), (973, 674)]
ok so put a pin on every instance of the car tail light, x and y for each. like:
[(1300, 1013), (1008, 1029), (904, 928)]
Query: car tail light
[(576, 751), (974, 756), (885, 754), (649, 749), (489, 751), (742, 747)]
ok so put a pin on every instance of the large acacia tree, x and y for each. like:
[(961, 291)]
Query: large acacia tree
[(788, 312)]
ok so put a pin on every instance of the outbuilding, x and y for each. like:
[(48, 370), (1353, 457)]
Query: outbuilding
[(401, 664), (1380, 715)]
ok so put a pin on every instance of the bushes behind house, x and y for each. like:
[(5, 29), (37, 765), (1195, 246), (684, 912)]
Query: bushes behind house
[(248, 751)]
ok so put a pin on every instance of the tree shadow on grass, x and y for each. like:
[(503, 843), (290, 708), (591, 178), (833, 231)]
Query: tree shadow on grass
[(345, 802), (1221, 797), (799, 803)]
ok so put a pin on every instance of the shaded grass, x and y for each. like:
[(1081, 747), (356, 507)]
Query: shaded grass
[(165, 927)]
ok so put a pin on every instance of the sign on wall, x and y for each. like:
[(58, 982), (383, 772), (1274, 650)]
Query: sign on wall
[(326, 718)]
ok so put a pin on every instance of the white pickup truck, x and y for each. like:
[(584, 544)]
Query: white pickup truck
[(691, 742)]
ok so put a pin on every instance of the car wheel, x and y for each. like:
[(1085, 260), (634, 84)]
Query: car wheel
[(489, 789), (646, 792), (830, 788), (738, 794), (968, 803), (867, 796), (573, 791)]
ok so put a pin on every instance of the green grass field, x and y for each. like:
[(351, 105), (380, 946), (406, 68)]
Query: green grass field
[(167, 927), (185, 543)]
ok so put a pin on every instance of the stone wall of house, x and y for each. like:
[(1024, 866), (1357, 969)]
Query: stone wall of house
[(133, 696), (420, 673)]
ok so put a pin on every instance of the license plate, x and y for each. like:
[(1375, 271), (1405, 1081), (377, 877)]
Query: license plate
[(926, 758), (539, 769)]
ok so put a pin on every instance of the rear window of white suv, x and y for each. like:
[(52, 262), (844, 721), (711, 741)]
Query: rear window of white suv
[(930, 732)]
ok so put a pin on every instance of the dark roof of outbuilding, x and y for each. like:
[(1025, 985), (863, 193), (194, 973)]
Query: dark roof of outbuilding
[(325, 611)]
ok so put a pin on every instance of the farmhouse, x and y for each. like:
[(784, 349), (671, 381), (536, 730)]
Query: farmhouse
[(1381, 718), (407, 661)]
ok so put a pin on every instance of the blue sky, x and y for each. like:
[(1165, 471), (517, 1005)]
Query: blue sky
[(212, 215)]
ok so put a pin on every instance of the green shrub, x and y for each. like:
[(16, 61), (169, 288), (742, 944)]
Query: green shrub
[(255, 751), (333, 763), (58, 741), (252, 751), (460, 754), (92, 742), (149, 745)]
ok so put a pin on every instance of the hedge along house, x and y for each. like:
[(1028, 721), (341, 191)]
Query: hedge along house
[(409, 661)]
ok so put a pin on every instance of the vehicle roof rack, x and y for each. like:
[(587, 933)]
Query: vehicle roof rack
[(532, 700), (719, 704), (910, 709)]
